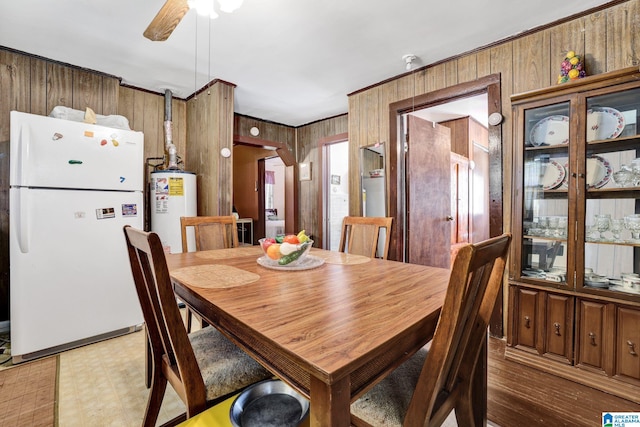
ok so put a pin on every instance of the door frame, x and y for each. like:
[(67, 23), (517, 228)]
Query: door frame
[(322, 143), (290, 180), (491, 86)]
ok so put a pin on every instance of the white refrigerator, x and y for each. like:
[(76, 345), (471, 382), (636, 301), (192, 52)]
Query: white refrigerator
[(73, 186)]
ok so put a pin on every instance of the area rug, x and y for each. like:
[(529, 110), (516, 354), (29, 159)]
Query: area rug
[(28, 393)]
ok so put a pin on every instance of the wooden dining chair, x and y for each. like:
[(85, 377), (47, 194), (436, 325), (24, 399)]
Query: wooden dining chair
[(204, 367), (427, 387), (360, 235), (211, 232)]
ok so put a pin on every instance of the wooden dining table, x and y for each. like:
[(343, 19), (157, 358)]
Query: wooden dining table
[(331, 331)]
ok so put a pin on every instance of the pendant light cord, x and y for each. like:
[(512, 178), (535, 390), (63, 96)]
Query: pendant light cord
[(195, 66)]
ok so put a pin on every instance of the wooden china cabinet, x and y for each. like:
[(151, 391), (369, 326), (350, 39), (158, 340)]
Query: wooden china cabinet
[(574, 302)]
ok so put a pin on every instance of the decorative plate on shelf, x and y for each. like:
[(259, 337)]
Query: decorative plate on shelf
[(552, 130), (565, 181), (554, 174), (597, 282), (598, 171), (604, 123)]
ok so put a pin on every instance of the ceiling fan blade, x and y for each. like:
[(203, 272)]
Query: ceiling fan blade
[(167, 19)]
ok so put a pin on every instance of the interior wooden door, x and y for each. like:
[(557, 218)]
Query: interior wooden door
[(428, 186), (460, 226)]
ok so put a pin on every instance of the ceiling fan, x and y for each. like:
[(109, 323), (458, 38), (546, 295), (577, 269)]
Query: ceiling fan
[(172, 12), (166, 20)]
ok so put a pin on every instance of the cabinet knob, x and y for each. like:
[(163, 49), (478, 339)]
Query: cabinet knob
[(556, 325), (632, 348), (449, 218), (526, 322), (592, 336)]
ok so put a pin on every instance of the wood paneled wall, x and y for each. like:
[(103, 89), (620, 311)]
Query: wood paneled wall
[(269, 131), (609, 40), (146, 113), (308, 138), (209, 130)]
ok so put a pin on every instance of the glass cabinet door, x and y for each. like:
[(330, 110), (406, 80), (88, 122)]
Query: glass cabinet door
[(611, 255), (545, 209)]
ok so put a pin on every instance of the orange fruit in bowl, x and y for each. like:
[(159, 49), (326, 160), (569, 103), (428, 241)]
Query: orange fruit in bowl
[(291, 238), (273, 251)]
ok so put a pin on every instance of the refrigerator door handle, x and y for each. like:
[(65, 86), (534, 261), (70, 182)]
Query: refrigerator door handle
[(22, 220), (22, 171)]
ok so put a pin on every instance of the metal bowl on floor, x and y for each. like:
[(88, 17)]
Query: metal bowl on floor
[(269, 403)]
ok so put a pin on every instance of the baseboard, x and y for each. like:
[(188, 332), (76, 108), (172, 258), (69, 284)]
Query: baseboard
[(598, 381), (75, 344), (5, 326)]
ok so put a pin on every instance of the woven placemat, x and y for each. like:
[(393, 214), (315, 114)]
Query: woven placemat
[(28, 393), (214, 276), (229, 253), (341, 258)]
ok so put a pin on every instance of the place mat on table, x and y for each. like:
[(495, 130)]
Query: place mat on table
[(229, 253), (214, 276), (341, 258)]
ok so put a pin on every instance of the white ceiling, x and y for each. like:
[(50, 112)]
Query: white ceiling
[(472, 106), (293, 61)]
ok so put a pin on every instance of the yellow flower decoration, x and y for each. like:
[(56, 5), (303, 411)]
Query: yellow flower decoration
[(571, 68)]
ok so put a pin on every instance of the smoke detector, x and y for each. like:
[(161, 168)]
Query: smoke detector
[(408, 59)]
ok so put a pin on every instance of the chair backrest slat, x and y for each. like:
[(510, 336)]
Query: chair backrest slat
[(476, 279), (211, 232), (169, 342), (360, 235)]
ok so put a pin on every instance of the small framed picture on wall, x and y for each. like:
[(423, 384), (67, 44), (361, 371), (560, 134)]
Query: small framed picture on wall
[(305, 171)]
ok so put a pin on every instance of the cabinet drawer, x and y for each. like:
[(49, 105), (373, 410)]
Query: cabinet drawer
[(559, 327), (628, 345), (594, 336), (525, 318)]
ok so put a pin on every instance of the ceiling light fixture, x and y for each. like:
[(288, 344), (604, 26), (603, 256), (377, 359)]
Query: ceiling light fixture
[(206, 8), (408, 59)]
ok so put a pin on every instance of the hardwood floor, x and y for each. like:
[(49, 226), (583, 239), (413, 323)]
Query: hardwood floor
[(517, 395), (522, 396)]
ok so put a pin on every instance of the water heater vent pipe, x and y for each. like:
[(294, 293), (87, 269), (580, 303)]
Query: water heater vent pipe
[(168, 132)]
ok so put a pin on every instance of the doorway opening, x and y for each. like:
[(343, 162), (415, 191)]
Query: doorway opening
[(464, 195), (488, 86), (274, 196), (336, 194), (249, 173), (333, 196)]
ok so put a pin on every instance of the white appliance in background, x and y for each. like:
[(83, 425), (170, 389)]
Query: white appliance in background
[(173, 194), (73, 186), (374, 197)]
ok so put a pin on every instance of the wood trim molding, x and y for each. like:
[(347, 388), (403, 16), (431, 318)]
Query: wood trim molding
[(280, 148), (594, 380), (489, 84), (327, 140)]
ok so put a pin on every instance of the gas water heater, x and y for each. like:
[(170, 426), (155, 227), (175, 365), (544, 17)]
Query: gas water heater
[(173, 194)]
